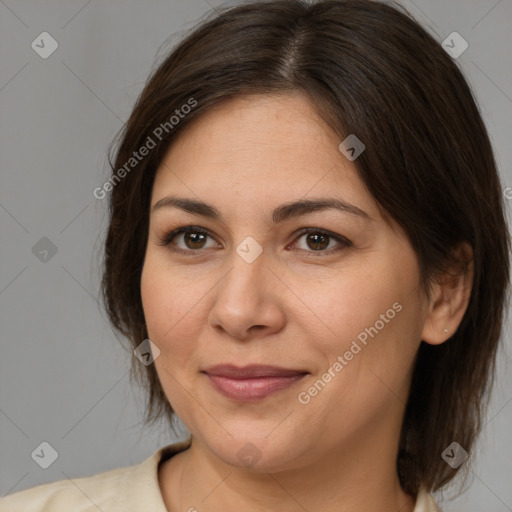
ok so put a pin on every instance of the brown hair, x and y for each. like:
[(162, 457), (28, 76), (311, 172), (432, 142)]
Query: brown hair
[(372, 71)]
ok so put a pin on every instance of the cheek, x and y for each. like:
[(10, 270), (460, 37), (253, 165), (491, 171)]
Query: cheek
[(172, 306), (371, 319), (156, 301), (165, 313), (339, 309), (160, 302)]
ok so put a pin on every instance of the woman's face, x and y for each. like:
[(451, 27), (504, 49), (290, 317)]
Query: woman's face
[(341, 306)]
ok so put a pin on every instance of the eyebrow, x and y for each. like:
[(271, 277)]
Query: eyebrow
[(280, 214)]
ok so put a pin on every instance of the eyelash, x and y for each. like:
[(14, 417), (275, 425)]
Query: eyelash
[(167, 239)]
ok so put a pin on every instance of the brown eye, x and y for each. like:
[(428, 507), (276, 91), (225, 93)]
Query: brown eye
[(318, 240), (194, 240), (191, 240)]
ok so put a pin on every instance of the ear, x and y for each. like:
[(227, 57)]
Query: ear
[(450, 298)]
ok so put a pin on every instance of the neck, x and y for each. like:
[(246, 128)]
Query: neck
[(340, 480)]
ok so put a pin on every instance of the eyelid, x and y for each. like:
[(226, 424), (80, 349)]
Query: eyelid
[(343, 242)]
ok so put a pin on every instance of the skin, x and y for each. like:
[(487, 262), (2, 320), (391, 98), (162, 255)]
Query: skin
[(292, 307)]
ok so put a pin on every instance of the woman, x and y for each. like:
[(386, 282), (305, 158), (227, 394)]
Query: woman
[(307, 249)]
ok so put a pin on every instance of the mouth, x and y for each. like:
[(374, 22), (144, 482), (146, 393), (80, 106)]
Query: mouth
[(251, 383)]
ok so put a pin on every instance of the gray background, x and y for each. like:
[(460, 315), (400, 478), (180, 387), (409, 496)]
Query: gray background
[(63, 374)]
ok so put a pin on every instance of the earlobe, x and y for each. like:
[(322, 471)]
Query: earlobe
[(450, 298)]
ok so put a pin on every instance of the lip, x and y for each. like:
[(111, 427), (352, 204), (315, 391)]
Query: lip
[(251, 371), (253, 382)]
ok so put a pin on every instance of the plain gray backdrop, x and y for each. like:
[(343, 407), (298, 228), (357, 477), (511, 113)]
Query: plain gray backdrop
[(63, 374)]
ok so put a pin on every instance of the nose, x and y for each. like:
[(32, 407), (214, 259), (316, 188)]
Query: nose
[(248, 300)]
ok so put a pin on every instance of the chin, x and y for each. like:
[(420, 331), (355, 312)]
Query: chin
[(256, 453)]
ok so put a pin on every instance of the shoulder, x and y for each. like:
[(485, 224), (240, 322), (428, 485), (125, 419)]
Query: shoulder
[(128, 488), (78, 494)]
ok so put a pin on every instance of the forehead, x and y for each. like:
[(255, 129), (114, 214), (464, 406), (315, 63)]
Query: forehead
[(260, 148), (253, 123)]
